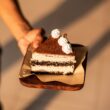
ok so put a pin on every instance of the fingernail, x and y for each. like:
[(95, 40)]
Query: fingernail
[(35, 45)]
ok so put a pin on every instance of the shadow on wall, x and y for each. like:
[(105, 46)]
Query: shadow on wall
[(68, 12), (99, 45), (0, 75), (0, 62), (42, 100)]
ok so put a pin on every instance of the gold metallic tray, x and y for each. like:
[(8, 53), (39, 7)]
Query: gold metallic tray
[(56, 82)]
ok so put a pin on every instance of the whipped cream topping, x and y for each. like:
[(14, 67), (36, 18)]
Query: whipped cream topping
[(55, 33), (62, 41), (67, 48)]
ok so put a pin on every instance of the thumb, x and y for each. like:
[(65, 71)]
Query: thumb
[(37, 41)]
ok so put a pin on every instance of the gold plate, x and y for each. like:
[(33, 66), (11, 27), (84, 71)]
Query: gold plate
[(56, 82)]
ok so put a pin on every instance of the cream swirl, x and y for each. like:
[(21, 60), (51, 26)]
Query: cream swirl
[(55, 33), (62, 41), (67, 48)]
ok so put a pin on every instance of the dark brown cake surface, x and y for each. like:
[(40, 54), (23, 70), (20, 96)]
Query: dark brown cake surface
[(51, 46)]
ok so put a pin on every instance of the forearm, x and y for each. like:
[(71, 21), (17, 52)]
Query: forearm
[(12, 16)]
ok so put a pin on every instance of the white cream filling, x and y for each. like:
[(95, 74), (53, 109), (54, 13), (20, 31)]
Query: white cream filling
[(52, 58), (64, 69)]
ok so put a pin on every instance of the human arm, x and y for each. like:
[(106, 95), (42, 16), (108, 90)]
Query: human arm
[(18, 25)]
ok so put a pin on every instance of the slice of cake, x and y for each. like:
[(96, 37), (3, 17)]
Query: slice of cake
[(53, 56)]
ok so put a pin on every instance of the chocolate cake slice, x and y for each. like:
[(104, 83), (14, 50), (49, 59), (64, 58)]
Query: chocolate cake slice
[(53, 56)]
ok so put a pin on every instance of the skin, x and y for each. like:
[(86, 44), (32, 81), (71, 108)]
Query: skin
[(22, 31)]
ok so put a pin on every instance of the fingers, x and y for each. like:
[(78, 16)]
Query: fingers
[(34, 37), (37, 41), (23, 45), (33, 34)]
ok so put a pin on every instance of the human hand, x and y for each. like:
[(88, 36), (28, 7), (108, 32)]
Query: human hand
[(33, 37)]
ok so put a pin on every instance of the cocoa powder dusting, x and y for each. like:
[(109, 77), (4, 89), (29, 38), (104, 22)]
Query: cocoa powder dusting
[(51, 46)]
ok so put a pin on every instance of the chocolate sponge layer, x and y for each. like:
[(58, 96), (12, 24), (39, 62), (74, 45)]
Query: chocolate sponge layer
[(48, 63), (52, 73)]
